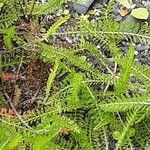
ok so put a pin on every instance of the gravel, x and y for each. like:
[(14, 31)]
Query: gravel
[(142, 52)]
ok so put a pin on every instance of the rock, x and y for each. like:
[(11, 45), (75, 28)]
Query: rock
[(142, 48), (116, 8), (97, 12), (117, 17), (148, 19), (133, 79), (100, 2), (138, 4), (124, 49), (144, 61), (66, 12), (135, 52), (138, 57), (105, 2), (147, 5), (98, 46), (82, 7), (69, 40), (130, 19), (97, 6)]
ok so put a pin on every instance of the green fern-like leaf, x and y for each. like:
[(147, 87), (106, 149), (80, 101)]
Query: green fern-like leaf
[(126, 64), (8, 36), (49, 6)]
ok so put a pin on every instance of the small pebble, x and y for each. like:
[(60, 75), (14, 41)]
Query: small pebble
[(68, 40), (135, 52), (58, 14), (98, 46), (66, 12), (42, 30), (97, 13)]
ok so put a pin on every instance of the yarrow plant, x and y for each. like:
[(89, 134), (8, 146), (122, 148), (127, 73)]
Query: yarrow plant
[(88, 99)]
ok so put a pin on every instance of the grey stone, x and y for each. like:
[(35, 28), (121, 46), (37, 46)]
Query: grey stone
[(133, 79), (116, 8), (138, 4), (138, 56), (82, 7), (97, 6), (135, 52), (130, 19), (142, 48), (144, 61), (124, 49), (147, 5), (117, 18), (148, 19), (105, 2)]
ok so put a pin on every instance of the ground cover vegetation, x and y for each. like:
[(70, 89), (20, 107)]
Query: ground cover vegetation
[(57, 93)]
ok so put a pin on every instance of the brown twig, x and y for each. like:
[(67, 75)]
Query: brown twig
[(19, 116)]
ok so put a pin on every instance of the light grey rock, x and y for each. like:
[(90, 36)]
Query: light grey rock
[(135, 52), (116, 8), (138, 4), (97, 13), (82, 7), (105, 2), (142, 48), (97, 6), (124, 49), (138, 56), (147, 5), (117, 18), (144, 61), (133, 79), (148, 19)]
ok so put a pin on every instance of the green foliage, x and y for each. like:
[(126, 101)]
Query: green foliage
[(51, 78), (93, 103), (8, 36), (55, 26), (9, 140), (49, 6), (126, 64)]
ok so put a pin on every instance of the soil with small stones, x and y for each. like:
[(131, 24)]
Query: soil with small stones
[(31, 83)]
